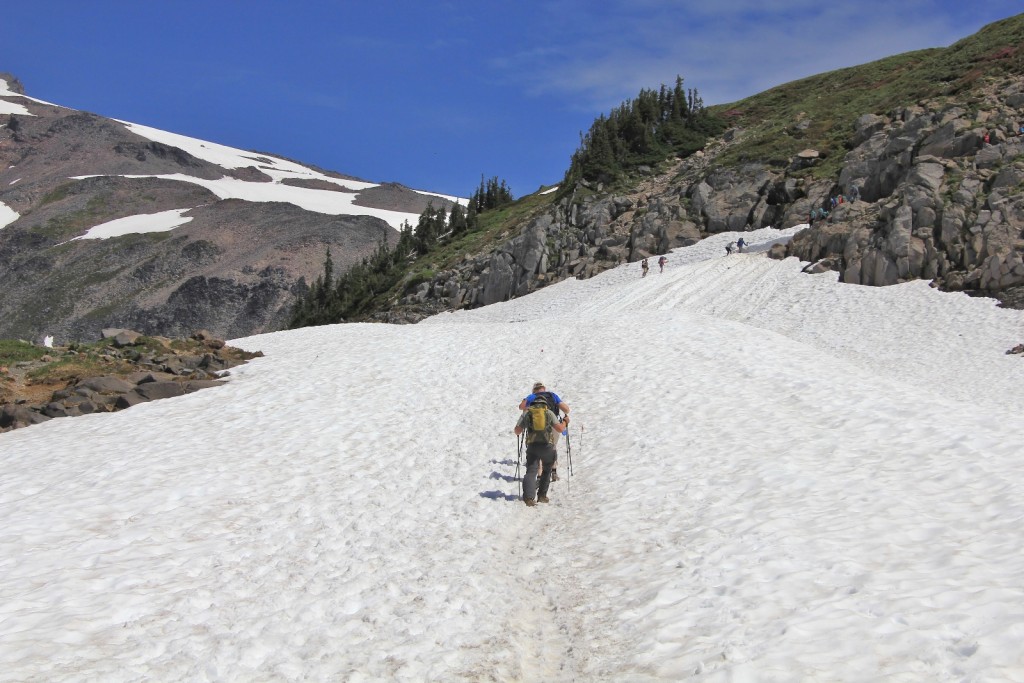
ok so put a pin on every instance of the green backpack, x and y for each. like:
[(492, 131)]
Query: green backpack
[(537, 427)]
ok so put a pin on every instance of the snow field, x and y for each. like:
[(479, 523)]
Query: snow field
[(776, 478)]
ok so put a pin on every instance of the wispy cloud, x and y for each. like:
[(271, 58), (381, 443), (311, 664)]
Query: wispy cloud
[(728, 49)]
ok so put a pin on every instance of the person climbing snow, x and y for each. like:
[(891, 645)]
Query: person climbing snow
[(661, 264), (740, 243), (644, 266), (540, 425), (557, 405)]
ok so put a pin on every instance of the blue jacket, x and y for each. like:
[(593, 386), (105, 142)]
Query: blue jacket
[(554, 408)]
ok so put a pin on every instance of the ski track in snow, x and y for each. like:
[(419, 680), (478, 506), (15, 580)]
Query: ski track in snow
[(776, 478)]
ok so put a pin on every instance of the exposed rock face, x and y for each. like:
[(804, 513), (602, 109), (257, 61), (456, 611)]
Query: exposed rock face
[(947, 205), (135, 369), (922, 196)]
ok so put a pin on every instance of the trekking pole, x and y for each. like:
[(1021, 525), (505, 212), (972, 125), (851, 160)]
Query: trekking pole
[(519, 459), (568, 452), (581, 449)]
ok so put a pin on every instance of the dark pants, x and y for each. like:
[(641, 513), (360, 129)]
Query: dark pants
[(537, 453)]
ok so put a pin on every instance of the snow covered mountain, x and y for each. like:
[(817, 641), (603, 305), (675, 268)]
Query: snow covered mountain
[(775, 477), (106, 223)]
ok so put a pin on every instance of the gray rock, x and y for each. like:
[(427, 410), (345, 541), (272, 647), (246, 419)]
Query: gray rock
[(12, 415), (106, 385), (152, 391), (57, 409), (128, 400), (126, 338)]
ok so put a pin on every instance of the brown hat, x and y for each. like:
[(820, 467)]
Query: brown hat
[(537, 386)]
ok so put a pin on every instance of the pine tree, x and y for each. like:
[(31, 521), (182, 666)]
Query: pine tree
[(457, 221), (645, 130), (426, 232)]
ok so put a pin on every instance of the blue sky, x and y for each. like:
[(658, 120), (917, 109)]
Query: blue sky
[(434, 94)]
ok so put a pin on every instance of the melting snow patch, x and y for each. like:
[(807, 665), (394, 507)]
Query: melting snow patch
[(147, 222), (7, 215)]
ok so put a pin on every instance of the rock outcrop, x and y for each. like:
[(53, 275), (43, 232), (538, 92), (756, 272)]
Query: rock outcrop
[(934, 191), (946, 192), (125, 370)]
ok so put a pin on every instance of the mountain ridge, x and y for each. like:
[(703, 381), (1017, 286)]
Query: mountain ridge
[(253, 226)]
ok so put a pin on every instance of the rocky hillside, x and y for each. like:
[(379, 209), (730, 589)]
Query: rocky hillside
[(906, 168), (109, 224), (124, 369)]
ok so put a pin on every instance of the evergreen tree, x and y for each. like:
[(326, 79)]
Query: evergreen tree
[(427, 231), (457, 221), (491, 194), (406, 247), (645, 130)]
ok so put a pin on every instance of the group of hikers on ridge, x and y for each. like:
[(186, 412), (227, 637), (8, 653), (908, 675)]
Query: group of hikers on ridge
[(540, 422)]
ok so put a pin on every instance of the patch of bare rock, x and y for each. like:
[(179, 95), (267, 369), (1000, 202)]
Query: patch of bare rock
[(128, 368)]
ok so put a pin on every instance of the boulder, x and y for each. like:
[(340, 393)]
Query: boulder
[(128, 400), (126, 338), (13, 415), (152, 391), (105, 385)]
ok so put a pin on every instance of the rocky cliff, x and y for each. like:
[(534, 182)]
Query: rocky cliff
[(933, 191)]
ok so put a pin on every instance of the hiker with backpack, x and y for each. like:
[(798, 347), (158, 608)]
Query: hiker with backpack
[(540, 425), (557, 405)]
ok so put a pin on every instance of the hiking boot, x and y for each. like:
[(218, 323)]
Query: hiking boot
[(554, 475), (530, 502), (543, 499)]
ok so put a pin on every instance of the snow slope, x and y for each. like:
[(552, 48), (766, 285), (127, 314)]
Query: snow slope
[(776, 478)]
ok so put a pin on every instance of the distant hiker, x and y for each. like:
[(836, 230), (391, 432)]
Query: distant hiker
[(540, 425), (661, 264), (644, 266), (985, 138), (740, 243), (729, 247), (854, 193), (557, 405)]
